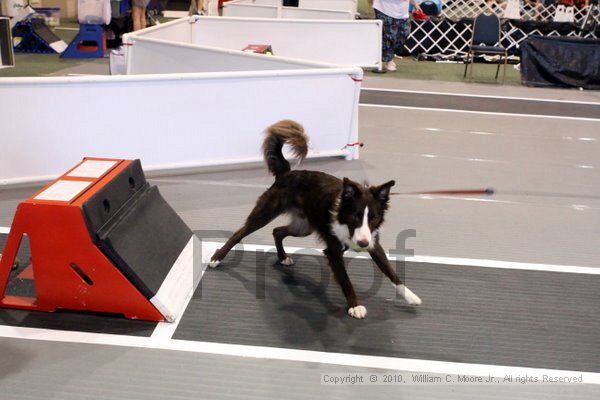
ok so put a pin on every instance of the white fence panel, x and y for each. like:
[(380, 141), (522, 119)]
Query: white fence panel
[(338, 42), (168, 121), (308, 13), (249, 10), (154, 56), (179, 30), (343, 5)]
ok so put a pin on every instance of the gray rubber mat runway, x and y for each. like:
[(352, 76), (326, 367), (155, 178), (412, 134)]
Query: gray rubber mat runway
[(487, 104), (97, 372), (469, 314), (62, 320)]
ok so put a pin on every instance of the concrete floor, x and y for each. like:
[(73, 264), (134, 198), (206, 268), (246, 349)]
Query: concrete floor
[(546, 210), (543, 170)]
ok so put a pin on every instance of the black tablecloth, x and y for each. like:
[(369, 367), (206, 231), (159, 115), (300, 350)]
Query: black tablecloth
[(563, 62)]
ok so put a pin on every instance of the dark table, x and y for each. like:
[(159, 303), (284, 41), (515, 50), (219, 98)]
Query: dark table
[(560, 62)]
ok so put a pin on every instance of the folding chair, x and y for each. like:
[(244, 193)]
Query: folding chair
[(486, 40)]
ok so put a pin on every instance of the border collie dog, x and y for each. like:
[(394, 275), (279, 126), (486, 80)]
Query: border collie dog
[(343, 213)]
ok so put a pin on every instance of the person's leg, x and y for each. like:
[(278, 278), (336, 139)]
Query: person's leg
[(143, 18), (388, 40), (196, 7), (402, 36), (136, 13)]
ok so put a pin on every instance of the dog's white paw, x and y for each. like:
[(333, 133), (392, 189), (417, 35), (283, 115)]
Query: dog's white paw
[(357, 312), (287, 261), (408, 295), (214, 263)]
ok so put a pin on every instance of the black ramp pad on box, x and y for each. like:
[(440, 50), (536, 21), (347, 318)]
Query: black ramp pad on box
[(6, 43), (136, 229), (469, 314), (62, 320), (40, 28)]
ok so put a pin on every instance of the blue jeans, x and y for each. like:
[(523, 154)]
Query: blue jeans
[(395, 33)]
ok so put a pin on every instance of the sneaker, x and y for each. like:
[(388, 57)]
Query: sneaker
[(390, 66)]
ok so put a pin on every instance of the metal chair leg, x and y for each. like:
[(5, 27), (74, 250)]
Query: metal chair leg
[(498, 69), (472, 67), (505, 64), (466, 65)]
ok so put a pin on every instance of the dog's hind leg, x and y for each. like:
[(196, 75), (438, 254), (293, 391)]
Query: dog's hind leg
[(381, 260), (268, 206), (299, 227)]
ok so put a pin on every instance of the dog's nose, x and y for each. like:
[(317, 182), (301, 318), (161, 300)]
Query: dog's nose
[(363, 243)]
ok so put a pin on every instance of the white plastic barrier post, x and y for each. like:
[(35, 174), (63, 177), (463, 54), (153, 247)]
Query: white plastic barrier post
[(328, 41)]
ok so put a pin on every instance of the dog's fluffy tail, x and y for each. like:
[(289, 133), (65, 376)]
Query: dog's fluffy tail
[(284, 132)]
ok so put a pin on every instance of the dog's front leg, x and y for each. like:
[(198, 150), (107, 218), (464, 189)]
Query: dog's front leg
[(335, 256), (378, 255)]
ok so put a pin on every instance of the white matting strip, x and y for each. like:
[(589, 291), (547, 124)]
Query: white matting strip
[(474, 262), (481, 95), (272, 353), (165, 330), (182, 279), (479, 112)]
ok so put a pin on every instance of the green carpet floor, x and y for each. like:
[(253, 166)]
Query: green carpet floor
[(410, 68), (47, 64)]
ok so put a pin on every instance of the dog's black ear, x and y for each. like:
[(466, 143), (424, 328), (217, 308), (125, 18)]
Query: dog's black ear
[(350, 189), (382, 192)]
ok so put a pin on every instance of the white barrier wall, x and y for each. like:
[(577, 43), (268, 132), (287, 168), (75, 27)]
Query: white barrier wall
[(247, 9), (309, 13), (168, 121), (179, 30), (338, 42), (173, 119), (154, 56), (340, 5), (343, 5)]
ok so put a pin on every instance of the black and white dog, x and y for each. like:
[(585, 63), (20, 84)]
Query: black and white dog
[(344, 213)]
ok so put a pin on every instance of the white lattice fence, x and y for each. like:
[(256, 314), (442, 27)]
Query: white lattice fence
[(458, 9), (439, 37), (450, 39)]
